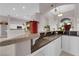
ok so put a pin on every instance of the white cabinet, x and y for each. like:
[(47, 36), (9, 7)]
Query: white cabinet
[(23, 48), (58, 46), (74, 45), (65, 43), (39, 53), (17, 49), (51, 49), (70, 44), (7, 50)]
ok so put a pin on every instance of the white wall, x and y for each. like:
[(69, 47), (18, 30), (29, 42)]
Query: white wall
[(77, 17), (13, 22), (2, 19), (47, 19), (71, 15), (74, 16), (44, 18), (54, 21)]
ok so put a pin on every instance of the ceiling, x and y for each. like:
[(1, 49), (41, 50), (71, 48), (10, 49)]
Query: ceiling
[(27, 10), (19, 10), (63, 9)]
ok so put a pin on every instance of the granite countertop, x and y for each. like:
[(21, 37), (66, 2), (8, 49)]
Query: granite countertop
[(44, 42), (18, 39)]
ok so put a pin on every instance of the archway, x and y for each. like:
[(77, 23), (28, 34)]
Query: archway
[(65, 24)]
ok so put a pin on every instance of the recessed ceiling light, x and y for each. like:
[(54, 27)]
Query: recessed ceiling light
[(23, 7), (24, 16), (59, 15), (13, 9), (16, 15)]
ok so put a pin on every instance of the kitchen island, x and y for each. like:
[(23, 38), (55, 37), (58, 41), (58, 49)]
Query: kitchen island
[(18, 39), (47, 45), (18, 46), (21, 45), (44, 41)]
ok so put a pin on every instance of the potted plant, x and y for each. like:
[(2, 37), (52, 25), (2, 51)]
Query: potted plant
[(47, 28)]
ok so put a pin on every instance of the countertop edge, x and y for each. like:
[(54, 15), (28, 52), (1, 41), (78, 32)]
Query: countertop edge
[(18, 39)]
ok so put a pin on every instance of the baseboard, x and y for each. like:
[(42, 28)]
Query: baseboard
[(68, 52), (58, 54)]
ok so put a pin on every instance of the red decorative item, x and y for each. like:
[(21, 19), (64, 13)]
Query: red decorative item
[(33, 26), (67, 27)]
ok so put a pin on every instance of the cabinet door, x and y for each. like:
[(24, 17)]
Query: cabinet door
[(39, 53), (50, 49), (74, 45), (65, 43), (23, 48), (7, 50), (58, 46), (53, 48)]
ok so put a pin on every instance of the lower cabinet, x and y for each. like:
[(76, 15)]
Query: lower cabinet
[(74, 45), (70, 44), (18, 49), (7, 50), (41, 53), (65, 43), (51, 49), (23, 48)]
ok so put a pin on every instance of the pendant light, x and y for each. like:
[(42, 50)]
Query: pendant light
[(59, 13)]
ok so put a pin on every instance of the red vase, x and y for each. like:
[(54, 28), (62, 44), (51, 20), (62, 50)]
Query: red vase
[(33, 26), (67, 27)]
